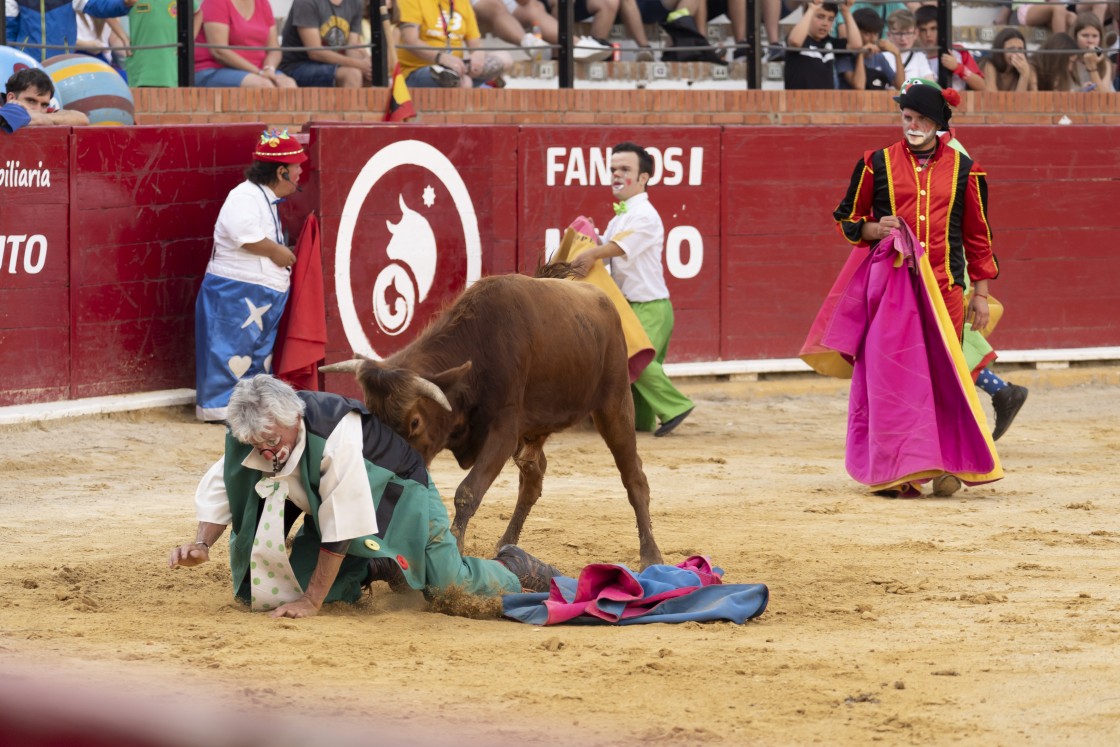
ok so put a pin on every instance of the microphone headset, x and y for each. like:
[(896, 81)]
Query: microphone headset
[(285, 177)]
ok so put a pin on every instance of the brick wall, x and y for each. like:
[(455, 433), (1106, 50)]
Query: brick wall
[(292, 108)]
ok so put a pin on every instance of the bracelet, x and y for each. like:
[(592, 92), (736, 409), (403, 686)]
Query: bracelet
[(385, 18), (336, 554), (980, 295), (203, 543)]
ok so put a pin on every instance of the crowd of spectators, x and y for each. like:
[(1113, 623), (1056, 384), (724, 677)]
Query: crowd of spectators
[(320, 43), (1079, 53)]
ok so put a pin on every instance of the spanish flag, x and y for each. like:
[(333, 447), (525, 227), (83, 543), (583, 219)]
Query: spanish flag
[(400, 100)]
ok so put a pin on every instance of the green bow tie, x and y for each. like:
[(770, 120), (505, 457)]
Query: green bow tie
[(619, 207)]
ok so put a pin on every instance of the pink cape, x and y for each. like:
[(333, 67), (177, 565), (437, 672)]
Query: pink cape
[(913, 413)]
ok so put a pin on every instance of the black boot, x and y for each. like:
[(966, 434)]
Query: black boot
[(533, 574), (1006, 402), (386, 569)]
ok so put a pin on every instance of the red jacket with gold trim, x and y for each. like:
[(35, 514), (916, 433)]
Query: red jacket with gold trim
[(945, 202)]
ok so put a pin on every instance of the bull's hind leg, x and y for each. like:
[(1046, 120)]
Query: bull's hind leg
[(615, 424), (532, 463)]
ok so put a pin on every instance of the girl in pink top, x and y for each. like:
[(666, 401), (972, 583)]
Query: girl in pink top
[(248, 23)]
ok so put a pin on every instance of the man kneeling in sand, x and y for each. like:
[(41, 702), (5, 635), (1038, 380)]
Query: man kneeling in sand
[(370, 509)]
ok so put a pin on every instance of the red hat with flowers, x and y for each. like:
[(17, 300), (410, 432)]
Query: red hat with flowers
[(277, 146)]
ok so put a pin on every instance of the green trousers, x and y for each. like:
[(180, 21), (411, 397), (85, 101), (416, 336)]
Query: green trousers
[(446, 567), (655, 397)]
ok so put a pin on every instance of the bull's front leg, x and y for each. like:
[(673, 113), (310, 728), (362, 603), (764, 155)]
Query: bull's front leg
[(532, 463), (496, 451)]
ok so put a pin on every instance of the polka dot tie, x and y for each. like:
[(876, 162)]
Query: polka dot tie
[(274, 582)]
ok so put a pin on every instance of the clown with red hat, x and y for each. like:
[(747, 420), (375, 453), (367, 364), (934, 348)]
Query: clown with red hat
[(916, 214), (247, 280)]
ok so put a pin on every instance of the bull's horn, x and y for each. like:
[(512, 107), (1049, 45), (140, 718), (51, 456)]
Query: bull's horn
[(350, 366), (431, 391)]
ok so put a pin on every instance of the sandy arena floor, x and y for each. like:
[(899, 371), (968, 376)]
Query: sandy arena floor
[(989, 618)]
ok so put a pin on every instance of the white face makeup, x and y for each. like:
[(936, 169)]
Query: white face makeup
[(625, 180), (919, 131)]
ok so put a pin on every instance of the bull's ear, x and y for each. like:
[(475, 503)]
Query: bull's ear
[(452, 379)]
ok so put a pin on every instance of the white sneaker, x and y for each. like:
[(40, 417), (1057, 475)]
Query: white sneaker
[(586, 49), (535, 47)]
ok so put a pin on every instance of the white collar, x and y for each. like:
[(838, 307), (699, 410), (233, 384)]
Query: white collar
[(637, 199)]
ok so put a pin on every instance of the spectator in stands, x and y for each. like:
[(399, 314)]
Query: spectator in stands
[(452, 58), (884, 11), (325, 25), (1093, 69), (966, 71), (1054, 67), (736, 12), (1051, 14), (509, 20), (1009, 70), (877, 73), (27, 102), (810, 57), (601, 14), (31, 23), (773, 11), (153, 24), (902, 29), (238, 23)]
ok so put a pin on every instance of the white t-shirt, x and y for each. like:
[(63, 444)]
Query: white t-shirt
[(917, 65), (248, 215), (346, 510), (641, 235)]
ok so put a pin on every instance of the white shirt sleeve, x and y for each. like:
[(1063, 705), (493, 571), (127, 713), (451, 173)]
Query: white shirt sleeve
[(637, 235), (210, 499), (347, 509), (242, 218)]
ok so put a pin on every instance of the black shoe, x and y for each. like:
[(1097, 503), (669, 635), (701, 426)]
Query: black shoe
[(669, 425), (533, 574), (1007, 402), (386, 569)]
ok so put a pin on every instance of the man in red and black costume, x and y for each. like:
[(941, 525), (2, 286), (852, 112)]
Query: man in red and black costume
[(941, 196), (938, 191)]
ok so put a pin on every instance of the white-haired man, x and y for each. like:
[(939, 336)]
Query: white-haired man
[(369, 506)]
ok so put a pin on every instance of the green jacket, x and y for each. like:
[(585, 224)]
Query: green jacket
[(398, 480)]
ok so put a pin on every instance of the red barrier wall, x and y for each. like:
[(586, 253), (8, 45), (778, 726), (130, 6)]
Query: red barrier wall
[(410, 214), (34, 267), (144, 202)]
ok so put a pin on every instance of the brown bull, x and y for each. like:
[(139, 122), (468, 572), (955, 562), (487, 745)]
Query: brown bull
[(511, 362)]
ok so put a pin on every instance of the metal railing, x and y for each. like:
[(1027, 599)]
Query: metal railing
[(563, 49)]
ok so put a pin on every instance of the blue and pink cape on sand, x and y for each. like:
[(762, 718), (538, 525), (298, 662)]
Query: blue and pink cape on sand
[(609, 594), (913, 412)]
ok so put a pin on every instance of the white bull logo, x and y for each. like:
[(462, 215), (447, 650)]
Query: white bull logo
[(407, 279)]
